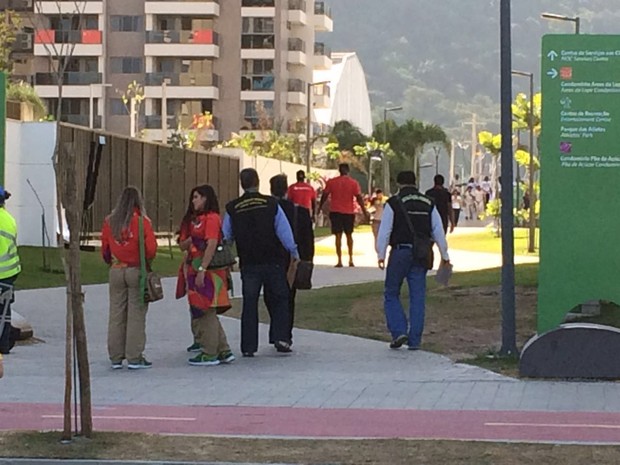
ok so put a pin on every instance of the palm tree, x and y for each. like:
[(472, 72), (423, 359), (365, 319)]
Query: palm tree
[(409, 140)]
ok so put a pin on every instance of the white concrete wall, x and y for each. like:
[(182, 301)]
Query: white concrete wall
[(29, 151), (269, 167)]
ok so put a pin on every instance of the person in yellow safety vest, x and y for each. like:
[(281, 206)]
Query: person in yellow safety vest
[(9, 266)]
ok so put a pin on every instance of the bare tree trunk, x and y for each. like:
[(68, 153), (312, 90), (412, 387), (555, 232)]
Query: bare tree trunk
[(72, 200)]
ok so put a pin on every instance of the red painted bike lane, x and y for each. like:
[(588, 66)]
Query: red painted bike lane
[(287, 422)]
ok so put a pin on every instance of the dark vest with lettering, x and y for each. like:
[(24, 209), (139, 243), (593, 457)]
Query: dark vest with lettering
[(252, 217), (419, 208)]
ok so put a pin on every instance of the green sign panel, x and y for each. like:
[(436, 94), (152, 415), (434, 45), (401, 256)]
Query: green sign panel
[(580, 174)]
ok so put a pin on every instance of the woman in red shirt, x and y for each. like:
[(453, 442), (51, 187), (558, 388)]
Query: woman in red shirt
[(120, 248), (207, 289)]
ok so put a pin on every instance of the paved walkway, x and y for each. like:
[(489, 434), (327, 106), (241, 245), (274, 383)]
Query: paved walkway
[(331, 386)]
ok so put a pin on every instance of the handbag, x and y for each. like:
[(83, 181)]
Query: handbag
[(303, 276), (223, 257), (150, 281)]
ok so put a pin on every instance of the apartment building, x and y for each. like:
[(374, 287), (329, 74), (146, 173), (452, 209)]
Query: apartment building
[(188, 56)]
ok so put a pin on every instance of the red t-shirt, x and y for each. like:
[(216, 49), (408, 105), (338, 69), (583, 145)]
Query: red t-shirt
[(343, 190), (202, 228), (127, 250), (301, 193)]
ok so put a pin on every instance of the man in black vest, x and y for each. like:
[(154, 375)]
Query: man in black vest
[(259, 227), (409, 257)]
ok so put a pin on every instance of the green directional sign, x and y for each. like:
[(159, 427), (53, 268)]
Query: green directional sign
[(580, 174)]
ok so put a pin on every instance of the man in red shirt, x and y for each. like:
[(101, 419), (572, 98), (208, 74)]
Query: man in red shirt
[(343, 192), (301, 193)]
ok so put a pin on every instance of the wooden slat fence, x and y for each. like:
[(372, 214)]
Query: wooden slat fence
[(164, 174)]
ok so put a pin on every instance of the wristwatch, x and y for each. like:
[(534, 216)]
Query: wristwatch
[(201, 268)]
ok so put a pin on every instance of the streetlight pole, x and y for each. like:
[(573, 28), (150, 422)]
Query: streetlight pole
[(532, 166), (309, 121), (509, 343), (436, 150), (386, 166), (556, 17)]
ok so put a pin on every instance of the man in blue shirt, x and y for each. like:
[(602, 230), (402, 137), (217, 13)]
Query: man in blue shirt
[(259, 227)]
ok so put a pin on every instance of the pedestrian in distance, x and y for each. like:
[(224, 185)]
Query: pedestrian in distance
[(343, 191), (443, 202), (457, 203), (10, 267), (207, 287), (302, 193), (259, 227), (120, 249), (409, 225), (376, 212), (301, 225)]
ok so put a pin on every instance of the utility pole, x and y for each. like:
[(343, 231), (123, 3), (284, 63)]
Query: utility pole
[(474, 144)]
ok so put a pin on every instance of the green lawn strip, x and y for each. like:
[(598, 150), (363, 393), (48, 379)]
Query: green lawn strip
[(134, 446), (487, 241), (93, 269)]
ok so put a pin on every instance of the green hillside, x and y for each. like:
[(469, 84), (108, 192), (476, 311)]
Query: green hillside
[(439, 59)]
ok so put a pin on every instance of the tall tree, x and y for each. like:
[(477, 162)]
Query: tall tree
[(347, 135), (60, 46), (409, 140)]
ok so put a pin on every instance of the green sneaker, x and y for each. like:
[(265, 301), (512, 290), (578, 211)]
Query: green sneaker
[(226, 357), (195, 347), (140, 364), (203, 359)]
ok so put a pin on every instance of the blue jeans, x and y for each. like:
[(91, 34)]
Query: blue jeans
[(401, 266), (273, 277)]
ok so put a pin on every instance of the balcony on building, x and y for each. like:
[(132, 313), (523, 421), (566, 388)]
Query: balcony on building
[(296, 92), (78, 84), (182, 7), (296, 51), (68, 7), (258, 8), (297, 12), (182, 85), (323, 21), (321, 96), (198, 43), (322, 56), (260, 46), (153, 127), (18, 6), (68, 42)]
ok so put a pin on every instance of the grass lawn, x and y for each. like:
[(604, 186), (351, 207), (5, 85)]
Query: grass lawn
[(131, 446), (486, 241), (94, 270)]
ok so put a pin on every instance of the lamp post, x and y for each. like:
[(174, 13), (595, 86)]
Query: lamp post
[(436, 149), (508, 304), (556, 17), (386, 166), (530, 128), (309, 122), (91, 103)]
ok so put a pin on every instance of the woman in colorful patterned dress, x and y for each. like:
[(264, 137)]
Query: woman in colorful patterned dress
[(207, 289)]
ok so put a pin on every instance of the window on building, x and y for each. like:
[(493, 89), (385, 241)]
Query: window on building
[(126, 23), (252, 113), (126, 65), (257, 33), (117, 107), (73, 22), (257, 75)]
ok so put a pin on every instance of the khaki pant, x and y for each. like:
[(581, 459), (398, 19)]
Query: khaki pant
[(127, 323), (195, 328), (211, 335)]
